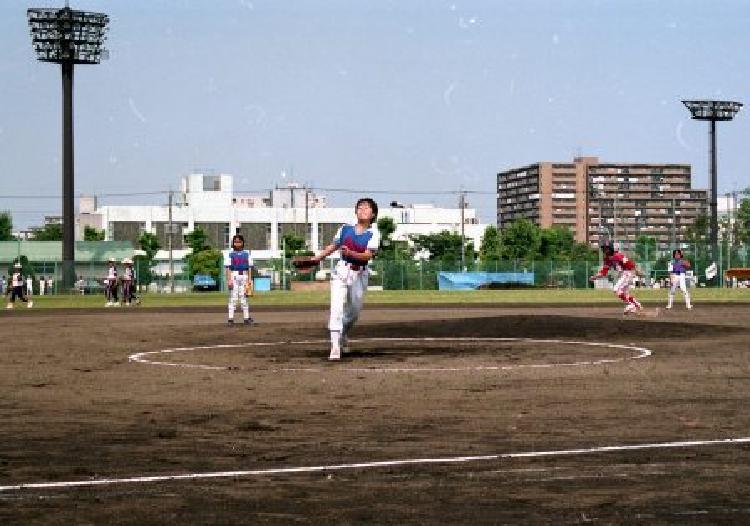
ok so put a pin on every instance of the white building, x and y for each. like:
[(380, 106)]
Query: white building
[(208, 202)]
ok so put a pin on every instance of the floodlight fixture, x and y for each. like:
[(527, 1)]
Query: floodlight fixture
[(713, 111), (64, 35), (68, 37)]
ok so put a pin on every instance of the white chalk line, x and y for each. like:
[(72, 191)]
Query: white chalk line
[(642, 353), (377, 464)]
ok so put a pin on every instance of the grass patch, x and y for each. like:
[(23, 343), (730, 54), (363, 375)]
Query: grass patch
[(395, 297)]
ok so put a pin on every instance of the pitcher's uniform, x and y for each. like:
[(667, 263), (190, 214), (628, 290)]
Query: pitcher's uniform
[(239, 264), (350, 277), (677, 269), (626, 267)]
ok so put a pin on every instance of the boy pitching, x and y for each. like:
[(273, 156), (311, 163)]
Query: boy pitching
[(357, 244), (616, 260), (677, 268), (238, 267), (15, 290)]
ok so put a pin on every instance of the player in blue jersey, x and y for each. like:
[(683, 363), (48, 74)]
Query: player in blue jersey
[(357, 244), (677, 269), (238, 266)]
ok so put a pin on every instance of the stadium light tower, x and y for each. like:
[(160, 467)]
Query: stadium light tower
[(713, 111), (67, 37)]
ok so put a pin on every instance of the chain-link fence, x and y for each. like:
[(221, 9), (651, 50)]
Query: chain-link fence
[(46, 276)]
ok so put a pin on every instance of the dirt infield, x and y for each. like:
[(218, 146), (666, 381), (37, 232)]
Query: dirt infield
[(446, 418)]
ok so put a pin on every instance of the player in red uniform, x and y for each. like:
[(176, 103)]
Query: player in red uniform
[(616, 260)]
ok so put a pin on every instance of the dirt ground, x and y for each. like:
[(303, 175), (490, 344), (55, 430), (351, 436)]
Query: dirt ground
[(76, 408)]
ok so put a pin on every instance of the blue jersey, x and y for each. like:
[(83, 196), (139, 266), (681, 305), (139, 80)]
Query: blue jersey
[(677, 266), (238, 260), (347, 237)]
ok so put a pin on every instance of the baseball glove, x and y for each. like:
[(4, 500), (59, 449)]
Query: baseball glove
[(249, 288), (305, 264)]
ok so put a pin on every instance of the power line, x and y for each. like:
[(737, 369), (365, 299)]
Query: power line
[(115, 194)]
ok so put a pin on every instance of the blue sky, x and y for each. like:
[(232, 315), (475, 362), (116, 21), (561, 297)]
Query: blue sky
[(390, 95)]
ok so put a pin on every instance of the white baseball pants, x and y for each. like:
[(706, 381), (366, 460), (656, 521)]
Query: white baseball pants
[(238, 293), (347, 296), (678, 280)]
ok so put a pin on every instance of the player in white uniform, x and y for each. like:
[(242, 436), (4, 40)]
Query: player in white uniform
[(238, 267), (110, 284), (16, 288), (128, 282), (358, 244), (677, 268)]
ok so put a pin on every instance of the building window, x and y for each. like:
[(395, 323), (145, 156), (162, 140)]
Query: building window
[(211, 183)]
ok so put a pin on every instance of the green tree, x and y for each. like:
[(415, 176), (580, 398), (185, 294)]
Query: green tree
[(743, 220), (386, 227), (197, 240), (6, 226), (556, 243), (92, 234), (50, 232), (445, 246), (391, 249), (697, 233), (294, 245), (207, 261), (645, 248), (489, 249), (149, 243), (521, 239), (584, 252)]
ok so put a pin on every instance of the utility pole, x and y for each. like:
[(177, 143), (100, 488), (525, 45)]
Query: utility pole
[(169, 245), (462, 204), (308, 233)]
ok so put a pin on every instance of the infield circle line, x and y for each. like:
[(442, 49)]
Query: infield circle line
[(642, 352)]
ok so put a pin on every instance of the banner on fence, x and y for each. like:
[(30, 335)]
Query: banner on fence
[(476, 280)]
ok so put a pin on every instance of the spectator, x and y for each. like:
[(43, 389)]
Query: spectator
[(29, 286), (50, 282), (42, 283), (3, 284)]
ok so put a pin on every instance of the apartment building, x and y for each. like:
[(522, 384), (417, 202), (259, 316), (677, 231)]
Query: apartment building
[(597, 200)]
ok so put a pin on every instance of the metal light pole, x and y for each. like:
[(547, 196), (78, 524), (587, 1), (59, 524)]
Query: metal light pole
[(68, 37), (713, 111)]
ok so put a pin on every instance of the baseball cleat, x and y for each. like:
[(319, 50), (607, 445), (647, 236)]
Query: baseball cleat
[(335, 354), (669, 307), (230, 322), (689, 307), (30, 304), (248, 321), (629, 309)]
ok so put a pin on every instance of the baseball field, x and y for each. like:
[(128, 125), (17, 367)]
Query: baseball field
[(493, 412)]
